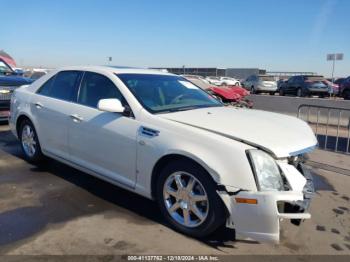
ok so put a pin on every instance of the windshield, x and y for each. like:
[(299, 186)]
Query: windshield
[(314, 78), (167, 93), (4, 69)]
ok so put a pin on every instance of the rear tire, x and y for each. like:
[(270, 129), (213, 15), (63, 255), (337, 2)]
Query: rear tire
[(252, 90), (29, 142), (272, 93), (195, 210), (299, 92), (346, 94), (281, 92)]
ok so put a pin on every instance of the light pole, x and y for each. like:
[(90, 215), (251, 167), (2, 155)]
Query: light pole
[(333, 57), (109, 59)]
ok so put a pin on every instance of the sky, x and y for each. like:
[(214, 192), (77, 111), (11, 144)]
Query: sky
[(277, 35)]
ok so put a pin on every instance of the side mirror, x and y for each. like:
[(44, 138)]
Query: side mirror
[(112, 105)]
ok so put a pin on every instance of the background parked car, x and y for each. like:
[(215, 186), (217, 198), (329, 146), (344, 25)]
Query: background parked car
[(345, 89), (201, 78), (333, 89), (9, 81), (305, 85), (214, 80), (339, 81), (261, 84), (229, 81), (36, 73), (234, 95), (280, 83)]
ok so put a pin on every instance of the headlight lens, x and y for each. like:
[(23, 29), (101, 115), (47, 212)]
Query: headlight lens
[(268, 174)]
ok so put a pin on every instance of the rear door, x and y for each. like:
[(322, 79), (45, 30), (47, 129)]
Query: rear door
[(290, 85), (51, 106)]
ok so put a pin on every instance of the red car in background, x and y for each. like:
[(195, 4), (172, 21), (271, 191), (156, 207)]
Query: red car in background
[(233, 95)]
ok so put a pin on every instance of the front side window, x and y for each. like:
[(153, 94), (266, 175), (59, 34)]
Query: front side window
[(95, 87), (167, 93)]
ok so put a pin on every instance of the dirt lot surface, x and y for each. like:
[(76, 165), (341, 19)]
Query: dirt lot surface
[(54, 209)]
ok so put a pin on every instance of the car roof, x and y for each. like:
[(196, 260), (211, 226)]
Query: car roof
[(310, 75), (116, 70)]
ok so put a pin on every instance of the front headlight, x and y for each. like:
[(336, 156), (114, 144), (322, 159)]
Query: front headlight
[(266, 171)]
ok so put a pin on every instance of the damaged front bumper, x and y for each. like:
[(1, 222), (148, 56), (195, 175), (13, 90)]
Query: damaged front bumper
[(257, 215)]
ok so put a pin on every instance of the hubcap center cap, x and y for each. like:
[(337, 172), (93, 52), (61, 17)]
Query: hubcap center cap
[(184, 204)]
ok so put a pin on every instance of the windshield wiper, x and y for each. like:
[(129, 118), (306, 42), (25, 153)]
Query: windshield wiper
[(184, 108)]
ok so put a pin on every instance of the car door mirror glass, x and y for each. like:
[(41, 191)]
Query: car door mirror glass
[(112, 105)]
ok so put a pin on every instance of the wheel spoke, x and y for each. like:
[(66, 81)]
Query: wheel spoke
[(190, 184), (197, 212), (198, 198), (178, 182), (32, 149), (174, 207), (186, 215), (27, 131), (170, 191)]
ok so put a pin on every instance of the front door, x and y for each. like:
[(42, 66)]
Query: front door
[(103, 142)]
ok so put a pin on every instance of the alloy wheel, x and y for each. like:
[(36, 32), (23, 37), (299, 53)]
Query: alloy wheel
[(185, 199), (28, 140), (299, 92)]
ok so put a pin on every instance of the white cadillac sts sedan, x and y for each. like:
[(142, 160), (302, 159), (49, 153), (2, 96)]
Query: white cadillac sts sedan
[(160, 136)]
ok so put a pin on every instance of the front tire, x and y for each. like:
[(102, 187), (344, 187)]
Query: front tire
[(29, 142), (188, 199)]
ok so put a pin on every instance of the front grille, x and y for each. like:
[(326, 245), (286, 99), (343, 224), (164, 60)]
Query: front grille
[(6, 96)]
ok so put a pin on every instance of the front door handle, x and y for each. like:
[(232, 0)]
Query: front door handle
[(38, 105), (76, 118)]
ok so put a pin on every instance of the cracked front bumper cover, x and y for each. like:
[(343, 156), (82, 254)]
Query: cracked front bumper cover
[(261, 221)]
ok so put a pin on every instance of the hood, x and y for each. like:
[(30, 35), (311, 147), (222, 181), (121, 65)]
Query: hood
[(278, 134), (14, 81)]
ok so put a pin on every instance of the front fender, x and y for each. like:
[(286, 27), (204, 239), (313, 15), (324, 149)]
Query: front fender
[(224, 159)]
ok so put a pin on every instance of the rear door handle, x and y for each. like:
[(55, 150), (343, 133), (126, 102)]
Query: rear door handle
[(76, 118), (38, 105)]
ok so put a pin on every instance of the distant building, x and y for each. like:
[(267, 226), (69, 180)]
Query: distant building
[(202, 71), (243, 73), (238, 73)]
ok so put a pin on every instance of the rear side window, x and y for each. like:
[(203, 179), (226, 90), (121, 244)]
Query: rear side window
[(65, 85), (45, 88), (62, 86), (95, 87)]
